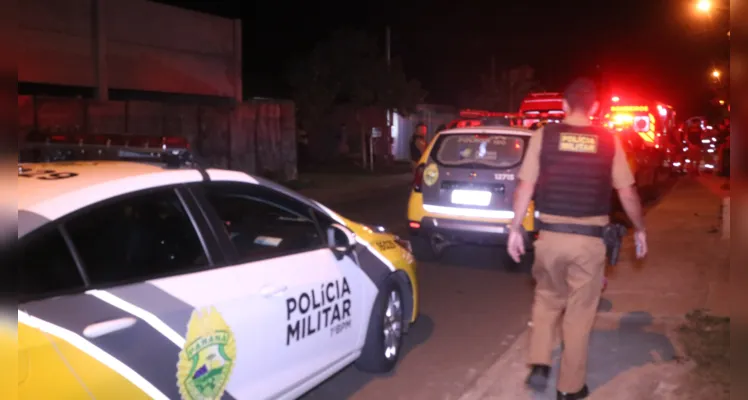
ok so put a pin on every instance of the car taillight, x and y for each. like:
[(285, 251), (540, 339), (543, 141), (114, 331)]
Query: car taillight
[(418, 178)]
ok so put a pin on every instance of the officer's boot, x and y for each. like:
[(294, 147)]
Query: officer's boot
[(582, 394), (538, 378)]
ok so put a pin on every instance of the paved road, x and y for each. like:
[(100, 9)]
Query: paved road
[(471, 310)]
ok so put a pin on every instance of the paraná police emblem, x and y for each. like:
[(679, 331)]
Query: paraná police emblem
[(207, 359), (430, 175)]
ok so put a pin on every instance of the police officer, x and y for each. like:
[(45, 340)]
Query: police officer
[(571, 168), (418, 143)]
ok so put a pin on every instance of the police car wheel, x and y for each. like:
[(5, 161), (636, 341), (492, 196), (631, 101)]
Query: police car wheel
[(385, 333)]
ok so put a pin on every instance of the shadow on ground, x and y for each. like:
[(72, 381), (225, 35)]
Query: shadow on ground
[(612, 352), (347, 382), (484, 257)]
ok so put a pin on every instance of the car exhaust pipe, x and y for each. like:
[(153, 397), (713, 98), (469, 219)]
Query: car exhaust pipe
[(439, 243)]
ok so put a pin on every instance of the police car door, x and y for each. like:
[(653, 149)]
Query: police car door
[(115, 287), (302, 303)]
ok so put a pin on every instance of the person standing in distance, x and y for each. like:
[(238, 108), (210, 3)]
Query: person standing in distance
[(418, 144), (571, 168)]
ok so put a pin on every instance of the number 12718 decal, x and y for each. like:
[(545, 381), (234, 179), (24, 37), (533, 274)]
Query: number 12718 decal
[(504, 177)]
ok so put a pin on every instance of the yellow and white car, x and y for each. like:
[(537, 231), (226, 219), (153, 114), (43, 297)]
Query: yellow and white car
[(463, 189), (145, 281)]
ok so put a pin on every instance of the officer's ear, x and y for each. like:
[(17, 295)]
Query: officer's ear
[(594, 108)]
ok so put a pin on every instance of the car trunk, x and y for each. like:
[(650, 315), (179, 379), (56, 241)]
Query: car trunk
[(477, 173)]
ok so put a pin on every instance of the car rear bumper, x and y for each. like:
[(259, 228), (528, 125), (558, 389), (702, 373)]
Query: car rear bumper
[(489, 233)]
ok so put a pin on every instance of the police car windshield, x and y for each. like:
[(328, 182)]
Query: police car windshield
[(498, 151)]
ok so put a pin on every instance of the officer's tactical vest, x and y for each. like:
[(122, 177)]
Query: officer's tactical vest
[(576, 165)]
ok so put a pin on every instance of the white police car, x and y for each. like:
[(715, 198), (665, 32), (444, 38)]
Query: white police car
[(139, 280)]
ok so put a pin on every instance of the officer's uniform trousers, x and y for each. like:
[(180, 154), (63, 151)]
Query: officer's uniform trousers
[(569, 271)]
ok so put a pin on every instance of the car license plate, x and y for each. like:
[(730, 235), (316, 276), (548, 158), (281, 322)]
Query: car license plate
[(471, 197)]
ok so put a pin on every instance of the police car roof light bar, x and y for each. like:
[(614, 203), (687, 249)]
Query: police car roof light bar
[(169, 150)]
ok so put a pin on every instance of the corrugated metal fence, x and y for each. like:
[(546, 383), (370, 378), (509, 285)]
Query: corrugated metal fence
[(257, 137)]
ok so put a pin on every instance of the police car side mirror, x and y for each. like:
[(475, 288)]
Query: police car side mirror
[(341, 240)]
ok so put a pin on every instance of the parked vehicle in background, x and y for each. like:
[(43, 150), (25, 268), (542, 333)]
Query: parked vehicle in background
[(463, 189)]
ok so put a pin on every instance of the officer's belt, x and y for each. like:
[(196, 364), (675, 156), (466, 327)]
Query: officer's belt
[(576, 229)]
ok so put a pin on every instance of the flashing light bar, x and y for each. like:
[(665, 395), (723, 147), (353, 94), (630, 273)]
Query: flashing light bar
[(662, 110), (629, 109), (38, 147)]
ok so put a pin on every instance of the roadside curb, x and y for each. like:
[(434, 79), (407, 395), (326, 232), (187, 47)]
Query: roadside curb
[(505, 367), (511, 367)]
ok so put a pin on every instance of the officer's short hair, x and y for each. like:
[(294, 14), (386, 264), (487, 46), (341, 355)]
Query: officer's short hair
[(581, 94)]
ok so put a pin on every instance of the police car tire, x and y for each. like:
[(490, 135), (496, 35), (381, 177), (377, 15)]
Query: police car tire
[(372, 357), (422, 249)]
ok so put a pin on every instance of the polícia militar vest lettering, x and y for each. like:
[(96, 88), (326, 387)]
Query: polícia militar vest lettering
[(576, 165)]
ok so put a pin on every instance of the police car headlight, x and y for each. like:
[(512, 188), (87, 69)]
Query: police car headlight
[(377, 229)]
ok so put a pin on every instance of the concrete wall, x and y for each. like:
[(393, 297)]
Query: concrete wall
[(129, 44)]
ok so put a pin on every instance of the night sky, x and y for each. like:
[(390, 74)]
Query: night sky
[(659, 48)]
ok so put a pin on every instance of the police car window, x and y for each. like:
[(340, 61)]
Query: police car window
[(498, 151), (47, 266), (136, 238), (259, 228)]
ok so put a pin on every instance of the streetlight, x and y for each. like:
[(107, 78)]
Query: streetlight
[(704, 6), (716, 74)]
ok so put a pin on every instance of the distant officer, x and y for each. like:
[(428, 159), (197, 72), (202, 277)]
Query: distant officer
[(573, 167), (418, 143)]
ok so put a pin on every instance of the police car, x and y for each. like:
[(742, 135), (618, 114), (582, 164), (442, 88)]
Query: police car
[(160, 279), (463, 189)]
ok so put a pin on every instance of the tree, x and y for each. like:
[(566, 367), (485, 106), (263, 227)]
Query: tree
[(517, 83), (505, 93), (350, 69)]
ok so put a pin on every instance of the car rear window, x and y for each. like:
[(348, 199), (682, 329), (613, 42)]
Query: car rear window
[(471, 151)]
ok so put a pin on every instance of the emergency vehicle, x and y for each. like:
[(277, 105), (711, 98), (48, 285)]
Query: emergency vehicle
[(146, 276), (700, 145), (649, 136), (545, 107), (471, 118)]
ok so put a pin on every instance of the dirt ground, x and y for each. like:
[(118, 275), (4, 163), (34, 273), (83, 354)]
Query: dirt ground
[(706, 342)]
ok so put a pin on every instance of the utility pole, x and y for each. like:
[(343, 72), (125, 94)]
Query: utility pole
[(390, 115), (493, 73), (98, 50)]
